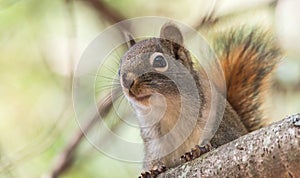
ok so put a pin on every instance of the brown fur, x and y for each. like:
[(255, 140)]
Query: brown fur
[(247, 58)]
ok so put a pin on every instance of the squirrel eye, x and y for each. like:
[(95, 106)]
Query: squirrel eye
[(158, 62)]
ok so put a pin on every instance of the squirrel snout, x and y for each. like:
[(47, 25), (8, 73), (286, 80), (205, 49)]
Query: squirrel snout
[(128, 80)]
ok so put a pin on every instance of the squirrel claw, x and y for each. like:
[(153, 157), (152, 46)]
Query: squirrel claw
[(154, 172), (145, 175), (195, 152)]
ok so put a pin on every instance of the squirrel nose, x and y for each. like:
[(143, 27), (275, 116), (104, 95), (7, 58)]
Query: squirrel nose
[(128, 80)]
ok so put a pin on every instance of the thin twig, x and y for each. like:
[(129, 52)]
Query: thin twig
[(64, 159)]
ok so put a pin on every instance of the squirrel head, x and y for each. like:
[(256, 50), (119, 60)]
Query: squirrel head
[(151, 65)]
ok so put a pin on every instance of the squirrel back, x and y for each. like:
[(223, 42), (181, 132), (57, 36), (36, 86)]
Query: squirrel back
[(247, 57)]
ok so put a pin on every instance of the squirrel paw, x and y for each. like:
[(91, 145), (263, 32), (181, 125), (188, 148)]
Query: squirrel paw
[(154, 172), (195, 152)]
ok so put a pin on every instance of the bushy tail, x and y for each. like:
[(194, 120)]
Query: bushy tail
[(247, 56)]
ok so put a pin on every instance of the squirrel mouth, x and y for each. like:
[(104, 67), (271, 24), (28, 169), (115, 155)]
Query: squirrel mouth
[(140, 97)]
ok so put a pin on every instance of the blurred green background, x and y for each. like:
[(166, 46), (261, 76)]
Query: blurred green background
[(40, 46)]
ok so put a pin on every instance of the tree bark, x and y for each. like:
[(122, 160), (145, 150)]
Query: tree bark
[(273, 151)]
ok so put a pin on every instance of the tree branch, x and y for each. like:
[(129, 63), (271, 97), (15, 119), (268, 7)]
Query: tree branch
[(217, 14), (111, 15), (65, 159), (105, 11), (273, 151)]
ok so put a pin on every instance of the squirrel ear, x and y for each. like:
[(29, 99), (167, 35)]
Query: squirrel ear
[(130, 40), (171, 32)]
